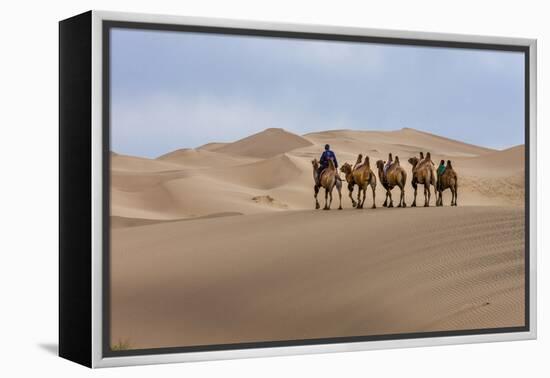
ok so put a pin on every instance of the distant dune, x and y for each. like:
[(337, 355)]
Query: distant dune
[(265, 144), (498, 163), (198, 158), (124, 163), (406, 140), (312, 274), (211, 146)]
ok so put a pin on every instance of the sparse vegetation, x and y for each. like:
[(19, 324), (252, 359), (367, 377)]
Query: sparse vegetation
[(121, 345)]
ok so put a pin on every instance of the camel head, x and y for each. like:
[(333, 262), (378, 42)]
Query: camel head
[(346, 168), (315, 164), (413, 161)]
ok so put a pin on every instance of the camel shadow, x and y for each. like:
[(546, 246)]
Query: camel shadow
[(51, 348)]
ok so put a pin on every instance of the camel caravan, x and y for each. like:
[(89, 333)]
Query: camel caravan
[(390, 174)]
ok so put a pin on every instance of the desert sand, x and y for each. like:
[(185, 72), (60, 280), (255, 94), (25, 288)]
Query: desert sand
[(221, 244)]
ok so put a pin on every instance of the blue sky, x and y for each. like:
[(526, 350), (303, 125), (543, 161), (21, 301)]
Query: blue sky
[(172, 90)]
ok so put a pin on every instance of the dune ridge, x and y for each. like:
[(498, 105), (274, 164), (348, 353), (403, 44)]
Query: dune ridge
[(265, 144)]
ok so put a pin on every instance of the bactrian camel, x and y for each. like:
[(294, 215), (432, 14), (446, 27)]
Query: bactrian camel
[(448, 180), (327, 179), (423, 173), (348, 172), (395, 176), (362, 176)]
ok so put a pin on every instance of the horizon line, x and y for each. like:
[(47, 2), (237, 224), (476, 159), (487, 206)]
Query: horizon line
[(500, 148)]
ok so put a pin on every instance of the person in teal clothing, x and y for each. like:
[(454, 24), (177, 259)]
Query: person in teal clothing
[(440, 171)]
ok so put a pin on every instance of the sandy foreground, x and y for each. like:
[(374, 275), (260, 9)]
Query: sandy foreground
[(315, 274), (220, 244)]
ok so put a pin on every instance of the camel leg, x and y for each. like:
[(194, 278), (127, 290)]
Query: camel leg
[(427, 195), (373, 187), (330, 196), (364, 190), (326, 199), (385, 204), (391, 199), (339, 188), (453, 194), (316, 190), (402, 199), (350, 189), (456, 195), (358, 197), (415, 186)]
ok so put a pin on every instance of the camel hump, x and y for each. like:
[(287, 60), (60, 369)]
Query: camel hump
[(367, 161), (428, 156), (397, 160), (449, 165)]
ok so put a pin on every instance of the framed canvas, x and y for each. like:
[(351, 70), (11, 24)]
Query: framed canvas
[(236, 189)]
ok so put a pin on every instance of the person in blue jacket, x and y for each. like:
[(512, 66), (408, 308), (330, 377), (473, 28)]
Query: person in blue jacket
[(323, 161)]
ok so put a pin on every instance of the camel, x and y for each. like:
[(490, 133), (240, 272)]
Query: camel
[(395, 176), (448, 180), (348, 172), (328, 180), (423, 173), (362, 176)]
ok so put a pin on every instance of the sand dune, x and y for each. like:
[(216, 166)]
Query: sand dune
[(265, 144), (124, 163), (123, 222), (313, 274), (211, 146), (498, 163), (219, 244), (266, 174), (199, 158), (225, 177), (404, 140)]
